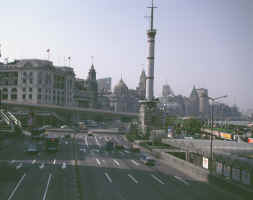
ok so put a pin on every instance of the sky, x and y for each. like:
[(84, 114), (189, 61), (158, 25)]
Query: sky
[(207, 43)]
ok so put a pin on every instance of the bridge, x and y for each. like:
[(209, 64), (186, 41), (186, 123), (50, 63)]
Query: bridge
[(69, 113)]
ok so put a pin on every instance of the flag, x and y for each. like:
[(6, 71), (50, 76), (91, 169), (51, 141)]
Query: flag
[(48, 50), (69, 57)]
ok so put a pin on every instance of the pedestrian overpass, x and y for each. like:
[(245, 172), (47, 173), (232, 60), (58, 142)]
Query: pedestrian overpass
[(69, 113)]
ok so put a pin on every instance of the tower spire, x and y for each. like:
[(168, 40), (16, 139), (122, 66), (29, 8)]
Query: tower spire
[(152, 16)]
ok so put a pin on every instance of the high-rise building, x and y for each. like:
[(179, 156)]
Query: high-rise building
[(104, 85), (141, 89), (167, 91), (203, 102)]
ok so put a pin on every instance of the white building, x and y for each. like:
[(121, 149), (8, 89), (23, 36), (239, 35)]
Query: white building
[(37, 81)]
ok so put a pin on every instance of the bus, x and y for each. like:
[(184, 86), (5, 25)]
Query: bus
[(52, 143)]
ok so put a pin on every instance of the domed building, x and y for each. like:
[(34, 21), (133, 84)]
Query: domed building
[(123, 99)]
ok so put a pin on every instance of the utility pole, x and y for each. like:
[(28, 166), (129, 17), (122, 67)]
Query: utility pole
[(211, 144)]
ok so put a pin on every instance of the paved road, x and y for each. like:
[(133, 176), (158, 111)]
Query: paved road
[(102, 174)]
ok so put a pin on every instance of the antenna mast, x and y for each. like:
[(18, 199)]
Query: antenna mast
[(152, 16)]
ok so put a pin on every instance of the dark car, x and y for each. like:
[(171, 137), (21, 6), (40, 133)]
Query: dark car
[(32, 149)]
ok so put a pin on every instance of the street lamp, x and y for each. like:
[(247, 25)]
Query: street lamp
[(213, 100)]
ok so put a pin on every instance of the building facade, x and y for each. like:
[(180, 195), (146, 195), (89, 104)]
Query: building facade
[(37, 81)]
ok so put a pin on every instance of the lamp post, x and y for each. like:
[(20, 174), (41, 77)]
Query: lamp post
[(211, 144)]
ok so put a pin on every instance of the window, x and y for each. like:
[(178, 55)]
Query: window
[(31, 73), (24, 73), (5, 96), (24, 96), (39, 96), (5, 90), (31, 81), (13, 96), (30, 96), (24, 89), (30, 89), (24, 81), (14, 90), (39, 90)]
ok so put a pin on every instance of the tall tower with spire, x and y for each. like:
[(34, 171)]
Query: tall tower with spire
[(148, 109), (151, 33)]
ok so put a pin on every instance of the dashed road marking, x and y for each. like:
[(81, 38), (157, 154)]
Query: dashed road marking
[(48, 182), (108, 177), (97, 141), (157, 179), (54, 162), (116, 162), (98, 162), (133, 161), (132, 178), (181, 180), (19, 182), (19, 165), (13, 161), (34, 161)]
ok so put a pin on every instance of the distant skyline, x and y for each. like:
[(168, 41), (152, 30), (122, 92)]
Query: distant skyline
[(208, 44)]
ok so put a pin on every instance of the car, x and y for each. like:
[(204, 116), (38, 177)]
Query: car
[(32, 148), (147, 160), (64, 126)]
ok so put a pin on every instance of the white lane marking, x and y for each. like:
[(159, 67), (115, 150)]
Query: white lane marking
[(157, 179), (97, 141), (42, 166), (86, 141), (63, 165), (116, 162), (108, 177), (182, 180), (34, 161), (19, 182), (54, 162), (98, 161), (132, 178), (45, 193), (133, 161), (13, 161), (19, 166)]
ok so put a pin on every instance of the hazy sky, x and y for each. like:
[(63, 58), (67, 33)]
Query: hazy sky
[(207, 43)]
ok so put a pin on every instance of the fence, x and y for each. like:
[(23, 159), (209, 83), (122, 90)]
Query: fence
[(223, 165)]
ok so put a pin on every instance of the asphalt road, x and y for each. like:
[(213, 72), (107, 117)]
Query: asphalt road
[(83, 169)]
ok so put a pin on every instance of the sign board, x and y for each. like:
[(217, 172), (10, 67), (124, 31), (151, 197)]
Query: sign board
[(236, 174), (245, 177), (219, 168), (205, 163), (227, 171)]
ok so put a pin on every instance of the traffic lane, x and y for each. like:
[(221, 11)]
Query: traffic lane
[(62, 184), (113, 183), (14, 150), (95, 184), (9, 178), (196, 188), (34, 183)]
